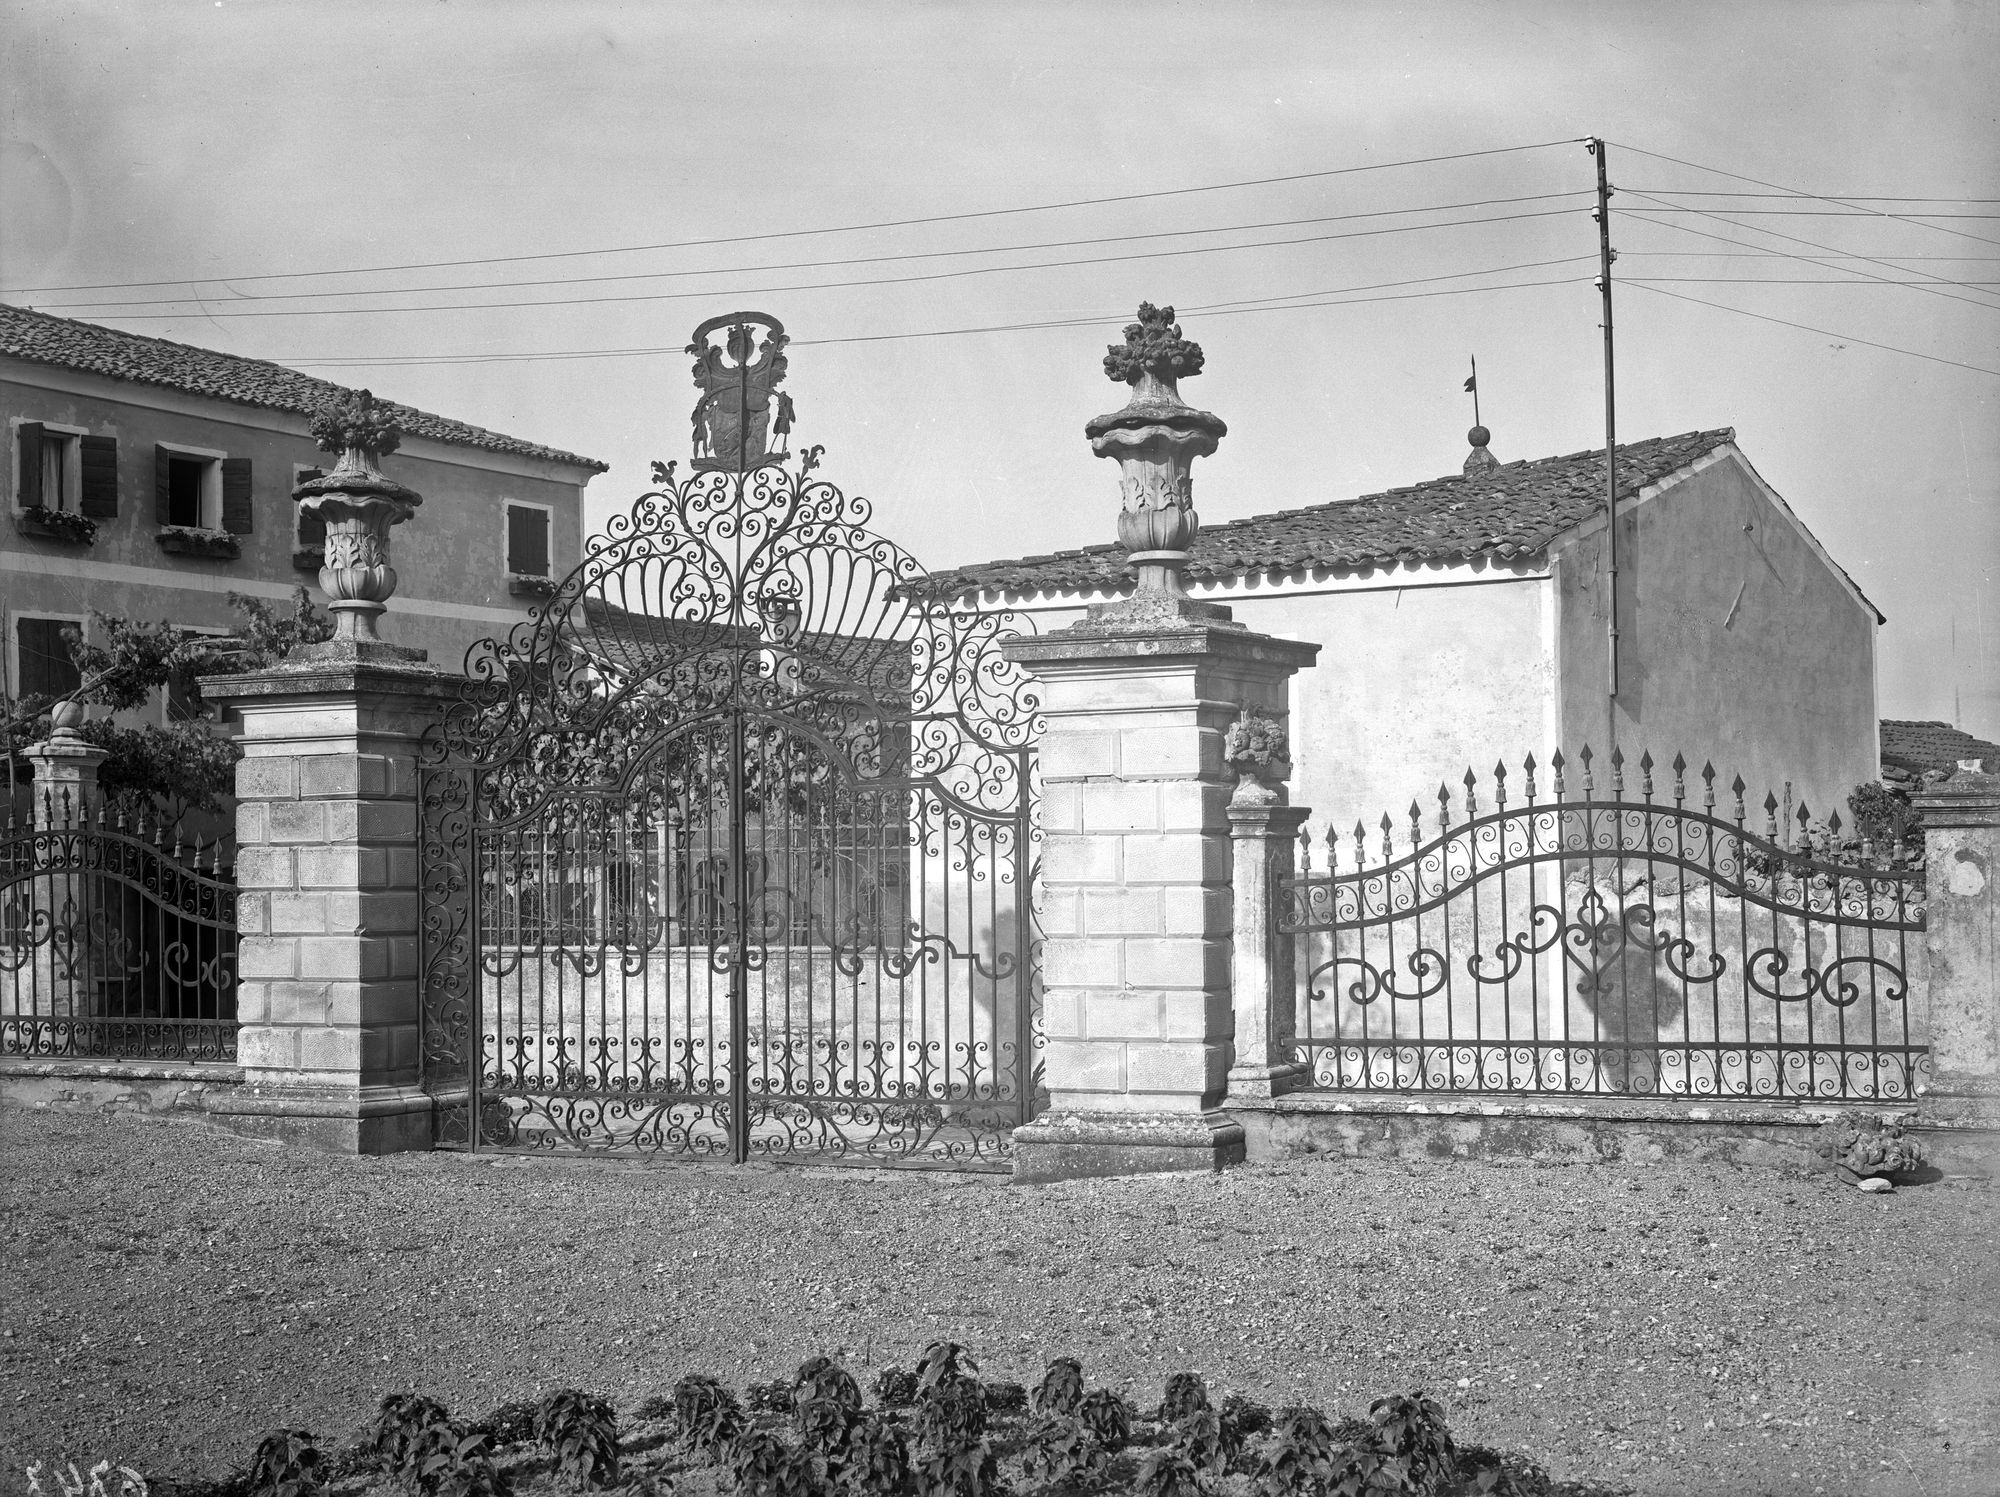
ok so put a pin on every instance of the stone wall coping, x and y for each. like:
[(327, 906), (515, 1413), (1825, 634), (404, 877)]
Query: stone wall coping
[(223, 1073), (1969, 798), (319, 678), (1198, 641), (1724, 1110)]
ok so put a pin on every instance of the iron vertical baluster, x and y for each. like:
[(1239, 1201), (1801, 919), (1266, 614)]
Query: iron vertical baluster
[(739, 978)]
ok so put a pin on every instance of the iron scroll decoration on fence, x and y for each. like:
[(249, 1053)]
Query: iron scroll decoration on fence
[(727, 850)]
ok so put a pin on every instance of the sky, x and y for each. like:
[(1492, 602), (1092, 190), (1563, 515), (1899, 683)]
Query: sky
[(218, 148)]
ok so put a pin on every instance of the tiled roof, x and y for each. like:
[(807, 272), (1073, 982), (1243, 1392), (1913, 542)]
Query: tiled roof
[(61, 341), (1914, 747), (1514, 510)]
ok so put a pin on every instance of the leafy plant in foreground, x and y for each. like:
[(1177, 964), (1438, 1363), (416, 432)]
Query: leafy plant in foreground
[(1303, 1459), (774, 1397), (1059, 1449), (709, 1415), (1186, 1394), (1061, 1387), (1411, 1428), (1108, 1418), (581, 1432), (1169, 1472), (451, 1462), (401, 1423), (877, 1460), (896, 1387), (510, 1424), (823, 1377), (1241, 1418), (762, 1465), (287, 1464), (1006, 1398), (944, 1362)]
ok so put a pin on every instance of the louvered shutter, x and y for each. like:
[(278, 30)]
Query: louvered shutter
[(28, 493), (163, 487), (312, 528), (100, 477), (236, 508), (46, 667), (527, 541)]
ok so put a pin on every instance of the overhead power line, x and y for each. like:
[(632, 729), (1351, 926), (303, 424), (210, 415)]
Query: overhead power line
[(1823, 332), (1220, 309), (937, 275), (997, 249), (893, 223), (1792, 192)]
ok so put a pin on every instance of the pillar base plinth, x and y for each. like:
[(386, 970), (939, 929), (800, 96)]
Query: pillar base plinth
[(1081, 1145), (335, 1118), (1262, 1083)]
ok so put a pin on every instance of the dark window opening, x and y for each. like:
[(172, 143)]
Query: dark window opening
[(527, 541), (184, 485), (46, 669)]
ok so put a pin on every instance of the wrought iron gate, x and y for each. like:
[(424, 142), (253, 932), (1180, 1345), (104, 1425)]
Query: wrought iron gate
[(726, 853)]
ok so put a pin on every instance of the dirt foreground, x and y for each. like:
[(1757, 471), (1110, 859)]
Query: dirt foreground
[(167, 1294)]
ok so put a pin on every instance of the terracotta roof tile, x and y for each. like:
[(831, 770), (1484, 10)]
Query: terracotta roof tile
[(1514, 510), (1914, 747), (45, 339)]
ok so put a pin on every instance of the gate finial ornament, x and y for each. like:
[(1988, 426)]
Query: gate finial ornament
[(737, 383), (358, 504), (1156, 439)]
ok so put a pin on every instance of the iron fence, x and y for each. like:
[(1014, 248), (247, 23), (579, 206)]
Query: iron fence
[(115, 942), (1606, 946)]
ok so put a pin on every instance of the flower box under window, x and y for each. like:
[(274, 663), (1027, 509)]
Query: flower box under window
[(191, 540), (531, 587), (56, 525)]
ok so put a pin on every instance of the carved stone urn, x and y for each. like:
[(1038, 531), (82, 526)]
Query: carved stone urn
[(358, 504), (1156, 438), (1258, 750)]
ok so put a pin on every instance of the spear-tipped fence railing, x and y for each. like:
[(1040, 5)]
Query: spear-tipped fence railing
[(1606, 943), (117, 939)]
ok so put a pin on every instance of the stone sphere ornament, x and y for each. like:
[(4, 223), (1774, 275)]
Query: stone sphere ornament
[(1155, 439)]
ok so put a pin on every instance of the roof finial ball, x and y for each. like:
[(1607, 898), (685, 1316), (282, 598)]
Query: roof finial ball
[(1479, 459), (1156, 439)]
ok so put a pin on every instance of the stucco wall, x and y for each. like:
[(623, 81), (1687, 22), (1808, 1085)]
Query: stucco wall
[(1739, 643), (450, 559), (1413, 685)]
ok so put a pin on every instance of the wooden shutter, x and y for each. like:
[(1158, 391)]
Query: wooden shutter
[(312, 527), (236, 507), (527, 541), (163, 487), (46, 667), (28, 493), (100, 477)]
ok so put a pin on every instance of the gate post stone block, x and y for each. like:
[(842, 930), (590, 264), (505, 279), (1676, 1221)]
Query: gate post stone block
[(1137, 864), (1962, 950), (327, 910)]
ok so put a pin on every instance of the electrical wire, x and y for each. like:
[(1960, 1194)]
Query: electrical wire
[(1219, 310), (1792, 192), (998, 249), (938, 275), (1823, 332), (1804, 259), (894, 223)]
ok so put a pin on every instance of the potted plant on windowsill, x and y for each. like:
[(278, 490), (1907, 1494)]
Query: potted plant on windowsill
[(308, 558), (192, 540), (522, 585), (56, 525)]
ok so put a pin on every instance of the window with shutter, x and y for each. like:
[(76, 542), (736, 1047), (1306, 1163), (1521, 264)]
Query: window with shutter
[(527, 541), (238, 513), (100, 477), (45, 666), (28, 472)]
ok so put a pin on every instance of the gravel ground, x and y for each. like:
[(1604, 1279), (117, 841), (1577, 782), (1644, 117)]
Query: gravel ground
[(170, 1293)]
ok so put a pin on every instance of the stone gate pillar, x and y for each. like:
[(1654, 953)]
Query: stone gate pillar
[(1137, 914), (58, 980), (326, 831), (1962, 951)]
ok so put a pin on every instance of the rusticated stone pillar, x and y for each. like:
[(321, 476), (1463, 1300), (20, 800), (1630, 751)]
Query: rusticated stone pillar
[(1138, 1016), (1962, 951)]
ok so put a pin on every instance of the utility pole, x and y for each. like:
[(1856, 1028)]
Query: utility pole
[(1605, 255)]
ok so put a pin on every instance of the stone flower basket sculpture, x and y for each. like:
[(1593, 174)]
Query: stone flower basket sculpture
[(1256, 748), (1155, 439), (358, 504), (1862, 1149)]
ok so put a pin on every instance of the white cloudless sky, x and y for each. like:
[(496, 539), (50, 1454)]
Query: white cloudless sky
[(210, 144)]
